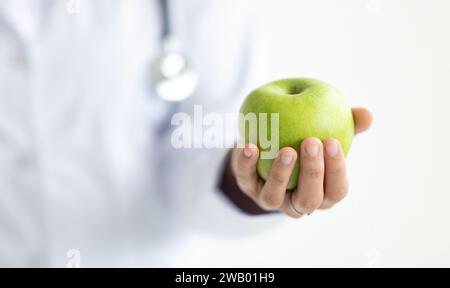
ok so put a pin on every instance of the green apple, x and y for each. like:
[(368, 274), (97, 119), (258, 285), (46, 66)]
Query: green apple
[(306, 108)]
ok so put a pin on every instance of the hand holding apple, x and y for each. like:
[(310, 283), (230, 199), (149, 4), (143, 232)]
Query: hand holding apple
[(314, 120)]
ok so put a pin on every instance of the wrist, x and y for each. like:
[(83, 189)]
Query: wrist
[(231, 190)]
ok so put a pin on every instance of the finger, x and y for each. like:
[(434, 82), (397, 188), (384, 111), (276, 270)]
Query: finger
[(272, 194), (336, 184), (288, 208), (244, 168), (363, 119), (309, 193)]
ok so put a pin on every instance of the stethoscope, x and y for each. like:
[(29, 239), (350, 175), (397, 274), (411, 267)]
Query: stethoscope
[(173, 77)]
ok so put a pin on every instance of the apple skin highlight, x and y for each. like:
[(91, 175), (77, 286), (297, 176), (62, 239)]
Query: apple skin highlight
[(306, 108)]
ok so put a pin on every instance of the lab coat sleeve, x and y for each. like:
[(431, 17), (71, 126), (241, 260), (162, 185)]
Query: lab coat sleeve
[(192, 184), (191, 177)]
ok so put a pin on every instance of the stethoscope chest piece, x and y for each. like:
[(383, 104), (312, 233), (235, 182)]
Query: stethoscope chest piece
[(174, 79)]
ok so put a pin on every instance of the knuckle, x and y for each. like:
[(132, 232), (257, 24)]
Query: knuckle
[(243, 166), (310, 204), (313, 173), (271, 200), (241, 176), (278, 177), (337, 194), (336, 170)]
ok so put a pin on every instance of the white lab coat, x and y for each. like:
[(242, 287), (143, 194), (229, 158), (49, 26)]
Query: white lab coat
[(85, 155)]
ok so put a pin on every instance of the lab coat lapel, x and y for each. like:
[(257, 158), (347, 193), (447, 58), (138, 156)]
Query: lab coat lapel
[(24, 17)]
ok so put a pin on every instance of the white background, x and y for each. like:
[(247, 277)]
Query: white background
[(394, 58)]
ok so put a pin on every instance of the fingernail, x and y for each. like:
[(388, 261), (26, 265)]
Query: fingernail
[(312, 150), (286, 159), (247, 152), (332, 149)]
